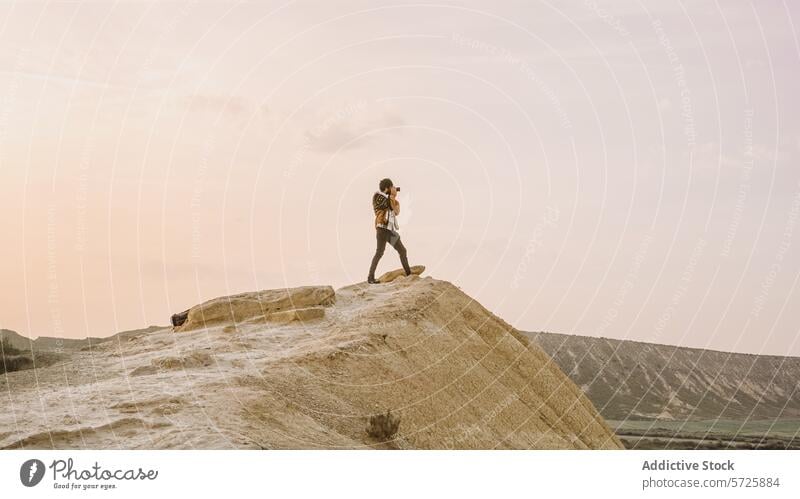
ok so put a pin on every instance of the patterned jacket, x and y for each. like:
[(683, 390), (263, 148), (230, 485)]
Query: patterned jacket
[(381, 205)]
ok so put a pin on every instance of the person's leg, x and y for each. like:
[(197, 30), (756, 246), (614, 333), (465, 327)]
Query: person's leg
[(380, 236), (397, 244)]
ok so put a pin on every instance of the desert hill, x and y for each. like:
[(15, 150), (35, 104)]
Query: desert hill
[(309, 368), (19, 352), (636, 380), (668, 397), (56, 345)]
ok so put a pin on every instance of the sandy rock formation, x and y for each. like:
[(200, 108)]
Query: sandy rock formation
[(445, 371), (394, 274), (297, 314), (280, 305)]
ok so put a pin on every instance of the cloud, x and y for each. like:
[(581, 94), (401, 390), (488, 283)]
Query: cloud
[(233, 106), (56, 78), (763, 152), (710, 155), (351, 127), (755, 64)]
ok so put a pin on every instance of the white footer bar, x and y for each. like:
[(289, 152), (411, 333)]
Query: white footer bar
[(401, 474)]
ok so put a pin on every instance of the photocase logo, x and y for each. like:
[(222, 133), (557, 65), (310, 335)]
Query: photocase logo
[(31, 472)]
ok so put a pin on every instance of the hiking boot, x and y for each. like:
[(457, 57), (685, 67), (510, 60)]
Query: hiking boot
[(371, 280)]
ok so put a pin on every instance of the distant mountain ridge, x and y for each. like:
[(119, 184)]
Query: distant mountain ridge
[(51, 344), (635, 380)]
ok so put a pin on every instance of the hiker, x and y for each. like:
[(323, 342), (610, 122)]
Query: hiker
[(386, 208)]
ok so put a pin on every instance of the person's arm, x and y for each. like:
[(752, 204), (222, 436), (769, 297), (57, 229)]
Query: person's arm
[(394, 202)]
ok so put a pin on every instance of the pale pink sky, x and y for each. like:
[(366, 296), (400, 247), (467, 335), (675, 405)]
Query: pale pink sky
[(623, 169)]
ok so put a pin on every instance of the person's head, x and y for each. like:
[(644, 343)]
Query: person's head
[(385, 185)]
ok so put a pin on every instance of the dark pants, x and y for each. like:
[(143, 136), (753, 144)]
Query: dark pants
[(383, 236)]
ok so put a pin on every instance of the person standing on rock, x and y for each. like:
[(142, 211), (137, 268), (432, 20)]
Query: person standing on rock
[(386, 208)]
